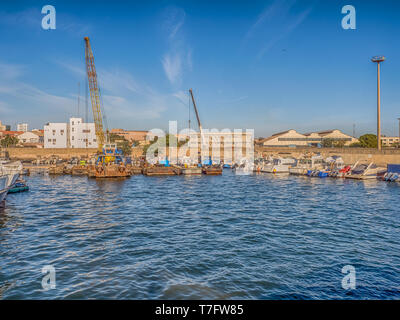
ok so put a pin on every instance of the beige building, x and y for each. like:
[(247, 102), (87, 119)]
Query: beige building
[(132, 135), (292, 138), (390, 141), (4, 127), (28, 137)]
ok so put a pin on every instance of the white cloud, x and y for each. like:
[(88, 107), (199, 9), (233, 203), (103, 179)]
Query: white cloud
[(276, 22), (10, 71), (172, 67), (178, 57), (182, 97)]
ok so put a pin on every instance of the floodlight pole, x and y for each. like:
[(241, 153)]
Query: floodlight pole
[(378, 60)]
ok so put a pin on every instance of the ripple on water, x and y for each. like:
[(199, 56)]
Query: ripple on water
[(228, 237)]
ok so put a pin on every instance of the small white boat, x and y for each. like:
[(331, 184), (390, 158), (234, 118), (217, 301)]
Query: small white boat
[(366, 171), (279, 165), (246, 167), (304, 165)]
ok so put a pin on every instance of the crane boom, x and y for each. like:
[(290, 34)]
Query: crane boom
[(94, 94), (195, 110)]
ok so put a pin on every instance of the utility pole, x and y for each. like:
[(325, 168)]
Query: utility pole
[(378, 60)]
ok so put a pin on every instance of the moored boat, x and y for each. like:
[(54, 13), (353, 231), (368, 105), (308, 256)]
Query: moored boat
[(19, 186), (279, 165), (307, 164), (366, 171)]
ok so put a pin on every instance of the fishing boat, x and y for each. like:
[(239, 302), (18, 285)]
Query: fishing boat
[(307, 164), (366, 171), (279, 165), (19, 186)]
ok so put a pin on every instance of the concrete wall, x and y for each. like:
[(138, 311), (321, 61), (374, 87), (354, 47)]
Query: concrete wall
[(349, 155), (35, 153)]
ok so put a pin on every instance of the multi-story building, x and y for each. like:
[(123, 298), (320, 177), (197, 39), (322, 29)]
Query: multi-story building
[(390, 141), (75, 134), (22, 127), (82, 134), (4, 127), (55, 135)]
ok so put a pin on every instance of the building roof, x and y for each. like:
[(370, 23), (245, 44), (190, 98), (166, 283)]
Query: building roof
[(11, 133), (277, 134)]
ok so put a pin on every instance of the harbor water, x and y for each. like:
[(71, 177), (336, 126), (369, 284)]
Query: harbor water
[(202, 237)]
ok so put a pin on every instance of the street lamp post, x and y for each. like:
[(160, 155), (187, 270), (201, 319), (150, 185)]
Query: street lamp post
[(378, 60)]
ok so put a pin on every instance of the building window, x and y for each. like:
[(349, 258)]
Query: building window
[(62, 132), (54, 132), (73, 138), (72, 123), (72, 129), (49, 140)]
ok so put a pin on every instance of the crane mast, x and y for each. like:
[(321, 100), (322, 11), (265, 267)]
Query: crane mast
[(195, 110), (94, 94)]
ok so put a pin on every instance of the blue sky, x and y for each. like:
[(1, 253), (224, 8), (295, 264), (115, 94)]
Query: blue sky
[(266, 65)]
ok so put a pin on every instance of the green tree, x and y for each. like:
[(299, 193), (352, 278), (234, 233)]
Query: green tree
[(9, 141), (122, 143), (368, 140)]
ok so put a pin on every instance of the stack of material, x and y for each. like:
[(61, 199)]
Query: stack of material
[(56, 170), (79, 170)]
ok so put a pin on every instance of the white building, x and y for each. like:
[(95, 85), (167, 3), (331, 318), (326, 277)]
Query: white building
[(22, 127), (28, 137), (81, 134), (55, 135), (75, 134)]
